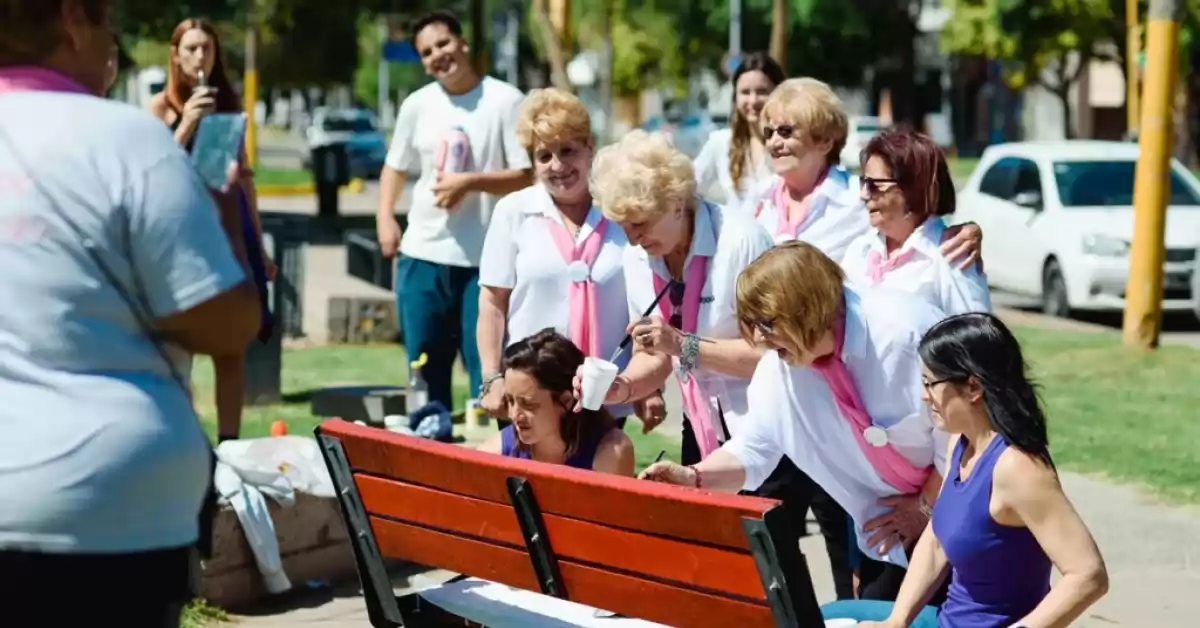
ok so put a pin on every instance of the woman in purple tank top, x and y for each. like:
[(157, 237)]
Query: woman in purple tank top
[(1002, 518), (539, 397)]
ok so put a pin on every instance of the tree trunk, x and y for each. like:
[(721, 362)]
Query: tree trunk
[(779, 25), (905, 106), (553, 47), (1063, 92)]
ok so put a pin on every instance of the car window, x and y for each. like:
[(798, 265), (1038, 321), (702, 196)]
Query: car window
[(1028, 178), (353, 125), (1109, 183), (998, 180)]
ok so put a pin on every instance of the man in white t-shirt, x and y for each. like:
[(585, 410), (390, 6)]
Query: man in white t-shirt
[(437, 275)]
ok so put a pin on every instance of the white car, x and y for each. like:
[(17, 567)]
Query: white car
[(862, 129), (1057, 219)]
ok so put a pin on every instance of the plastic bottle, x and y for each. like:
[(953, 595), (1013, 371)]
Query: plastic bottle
[(417, 396)]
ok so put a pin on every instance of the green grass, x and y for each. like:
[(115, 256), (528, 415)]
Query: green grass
[(1120, 413), (961, 169), (273, 176)]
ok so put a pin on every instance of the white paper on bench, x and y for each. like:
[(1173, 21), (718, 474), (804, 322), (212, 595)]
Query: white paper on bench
[(498, 606)]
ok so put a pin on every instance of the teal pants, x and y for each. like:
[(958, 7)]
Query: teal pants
[(874, 610)]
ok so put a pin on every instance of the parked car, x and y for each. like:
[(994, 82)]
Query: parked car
[(365, 144), (861, 130), (1058, 221), (688, 132)]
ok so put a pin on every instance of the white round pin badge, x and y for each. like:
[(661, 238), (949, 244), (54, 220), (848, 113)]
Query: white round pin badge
[(876, 436), (578, 271)]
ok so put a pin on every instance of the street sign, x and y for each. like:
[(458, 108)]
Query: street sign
[(400, 51)]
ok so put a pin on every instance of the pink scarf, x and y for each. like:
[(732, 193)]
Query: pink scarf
[(879, 265), (695, 402), (585, 327), (783, 225), (31, 78), (887, 461)]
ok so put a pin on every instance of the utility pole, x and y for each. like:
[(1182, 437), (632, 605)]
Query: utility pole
[(250, 91), (1144, 290), (606, 71), (735, 28), (383, 89), (1133, 44)]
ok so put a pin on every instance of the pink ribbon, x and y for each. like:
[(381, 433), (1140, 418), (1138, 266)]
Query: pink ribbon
[(32, 78), (695, 401), (887, 461), (585, 326), (878, 265), (784, 225)]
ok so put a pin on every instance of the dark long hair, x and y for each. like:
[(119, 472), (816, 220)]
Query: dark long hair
[(179, 87), (739, 145), (981, 346), (552, 359)]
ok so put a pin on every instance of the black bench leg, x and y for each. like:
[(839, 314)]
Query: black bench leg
[(784, 572)]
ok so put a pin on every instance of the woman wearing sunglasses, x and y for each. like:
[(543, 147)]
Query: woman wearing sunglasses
[(906, 187), (838, 393), (814, 199), (689, 251)]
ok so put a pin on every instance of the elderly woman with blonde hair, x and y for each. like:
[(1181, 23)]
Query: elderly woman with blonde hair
[(550, 258), (688, 252)]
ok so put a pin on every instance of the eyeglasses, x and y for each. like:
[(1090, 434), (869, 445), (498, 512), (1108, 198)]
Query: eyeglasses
[(675, 294), (785, 131), (945, 380), (765, 327), (871, 184)]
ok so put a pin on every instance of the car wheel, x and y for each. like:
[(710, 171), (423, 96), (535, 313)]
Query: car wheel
[(1054, 291)]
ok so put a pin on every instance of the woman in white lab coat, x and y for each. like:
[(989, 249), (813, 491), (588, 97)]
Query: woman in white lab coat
[(550, 257), (907, 188), (736, 158), (813, 198), (839, 393)]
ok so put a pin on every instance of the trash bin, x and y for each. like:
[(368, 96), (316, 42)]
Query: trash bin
[(286, 294), (331, 170), (364, 259)]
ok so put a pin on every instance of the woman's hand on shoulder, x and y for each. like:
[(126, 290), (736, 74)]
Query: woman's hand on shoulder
[(963, 245)]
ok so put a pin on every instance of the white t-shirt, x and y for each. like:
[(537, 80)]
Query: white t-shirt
[(101, 449), (712, 166), (836, 216), (927, 273), (793, 412), (487, 113), (519, 254), (731, 241)]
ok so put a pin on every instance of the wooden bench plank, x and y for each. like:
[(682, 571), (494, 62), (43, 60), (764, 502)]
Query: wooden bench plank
[(676, 512), (628, 595), (712, 568)]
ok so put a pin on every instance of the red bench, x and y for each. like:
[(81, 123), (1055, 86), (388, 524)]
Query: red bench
[(675, 556)]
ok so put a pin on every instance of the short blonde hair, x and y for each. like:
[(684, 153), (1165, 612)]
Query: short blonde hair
[(796, 288), (816, 112), (641, 177), (551, 116)]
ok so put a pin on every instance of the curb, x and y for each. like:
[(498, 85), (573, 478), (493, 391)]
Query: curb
[(356, 186)]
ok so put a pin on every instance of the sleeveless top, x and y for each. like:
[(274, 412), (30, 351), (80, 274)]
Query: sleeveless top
[(998, 573), (581, 459)]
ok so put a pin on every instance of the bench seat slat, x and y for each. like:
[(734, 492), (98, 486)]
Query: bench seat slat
[(715, 569), (628, 595), (676, 512)]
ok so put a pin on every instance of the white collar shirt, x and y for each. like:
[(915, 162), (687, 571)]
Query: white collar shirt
[(712, 167), (835, 218)]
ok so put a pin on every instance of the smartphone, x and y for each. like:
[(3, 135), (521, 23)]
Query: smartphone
[(217, 144)]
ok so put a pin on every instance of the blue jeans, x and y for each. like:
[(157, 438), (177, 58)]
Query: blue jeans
[(438, 307), (875, 610)]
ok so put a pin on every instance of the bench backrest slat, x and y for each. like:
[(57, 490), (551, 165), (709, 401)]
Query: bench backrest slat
[(669, 560), (625, 594), (670, 511)]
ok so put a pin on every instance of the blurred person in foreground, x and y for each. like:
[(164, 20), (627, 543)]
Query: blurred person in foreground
[(461, 130), (1002, 519), (195, 51), (111, 247)]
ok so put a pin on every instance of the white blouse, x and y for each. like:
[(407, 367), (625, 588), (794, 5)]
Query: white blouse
[(793, 411), (926, 272), (519, 254), (835, 218), (712, 166), (731, 242)]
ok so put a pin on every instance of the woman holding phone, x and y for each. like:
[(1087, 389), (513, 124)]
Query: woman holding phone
[(198, 85)]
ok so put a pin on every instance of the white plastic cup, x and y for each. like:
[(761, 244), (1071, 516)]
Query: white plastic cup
[(598, 377), (840, 623)]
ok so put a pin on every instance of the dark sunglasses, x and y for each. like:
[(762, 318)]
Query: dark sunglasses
[(785, 131), (871, 184), (675, 294)]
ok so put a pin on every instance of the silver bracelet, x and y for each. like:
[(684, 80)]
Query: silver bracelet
[(689, 354)]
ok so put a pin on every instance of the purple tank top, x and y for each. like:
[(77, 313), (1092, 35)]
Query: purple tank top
[(581, 459), (998, 573)]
